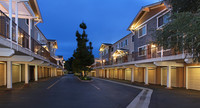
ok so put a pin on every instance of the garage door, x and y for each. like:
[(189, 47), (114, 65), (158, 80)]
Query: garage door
[(139, 74), (128, 74), (194, 78), (173, 76), (1, 74), (15, 73), (100, 73), (111, 73), (152, 75), (115, 73)]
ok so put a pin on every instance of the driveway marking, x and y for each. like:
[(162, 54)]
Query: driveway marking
[(142, 100), (53, 84), (95, 87)]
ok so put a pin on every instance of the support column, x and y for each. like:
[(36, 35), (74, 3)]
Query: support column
[(51, 72), (132, 74), (9, 74), (16, 21), (146, 76), (29, 32), (36, 73), (20, 73), (5, 74), (26, 74), (10, 16), (161, 78), (168, 76), (186, 78)]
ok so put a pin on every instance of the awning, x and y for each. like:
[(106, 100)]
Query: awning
[(120, 53)]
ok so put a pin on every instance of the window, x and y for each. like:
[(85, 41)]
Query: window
[(142, 51), (142, 31), (112, 49), (163, 20), (27, 21), (132, 38), (126, 42), (38, 37), (122, 44)]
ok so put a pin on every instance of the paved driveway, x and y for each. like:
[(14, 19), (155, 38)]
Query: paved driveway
[(170, 98), (69, 92)]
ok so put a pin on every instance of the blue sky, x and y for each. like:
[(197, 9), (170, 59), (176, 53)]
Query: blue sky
[(107, 21)]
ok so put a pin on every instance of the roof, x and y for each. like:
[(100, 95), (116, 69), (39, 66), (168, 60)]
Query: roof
[(51, 40), (108, 44), (123, 38), (60, 56), (36, 9), (103, 45), (142, 11)]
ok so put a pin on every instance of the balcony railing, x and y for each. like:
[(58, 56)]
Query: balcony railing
[(23, 38), (143, 55)]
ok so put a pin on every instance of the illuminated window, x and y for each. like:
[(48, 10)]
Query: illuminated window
[(142, 51)]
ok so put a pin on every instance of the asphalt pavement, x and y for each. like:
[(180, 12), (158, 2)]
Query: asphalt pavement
[(69, 92)]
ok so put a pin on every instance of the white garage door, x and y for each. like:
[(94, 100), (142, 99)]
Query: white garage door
[(194, 78), (15, 73), (152, 75), (128, 74), (1, 74)]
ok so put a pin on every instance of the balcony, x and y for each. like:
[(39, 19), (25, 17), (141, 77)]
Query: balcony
[(146, 54), (23, 38)]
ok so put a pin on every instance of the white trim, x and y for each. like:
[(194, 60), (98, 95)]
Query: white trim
[(159, 17), (145, 50), (138, 30), (151, 18)]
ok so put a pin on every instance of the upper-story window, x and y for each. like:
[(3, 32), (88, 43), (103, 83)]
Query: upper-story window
[(142, 31), (38, 37), (142, 51), (27, 21), (126, 42), (112, 49), (133, 39), (164, 19), (122, 45)]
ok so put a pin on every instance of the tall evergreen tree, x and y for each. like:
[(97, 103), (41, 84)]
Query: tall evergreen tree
[(68, 64), (182, 33), (83, 57)]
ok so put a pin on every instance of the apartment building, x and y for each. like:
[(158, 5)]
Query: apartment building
[(136, 58), (25, 53)]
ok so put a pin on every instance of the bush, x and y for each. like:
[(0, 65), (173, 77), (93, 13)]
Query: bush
[(85, 78)]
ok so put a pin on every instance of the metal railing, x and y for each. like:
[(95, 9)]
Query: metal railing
[(23, 37), (142, 55)]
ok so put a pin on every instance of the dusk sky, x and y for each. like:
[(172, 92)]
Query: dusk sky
[(107, 21)]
